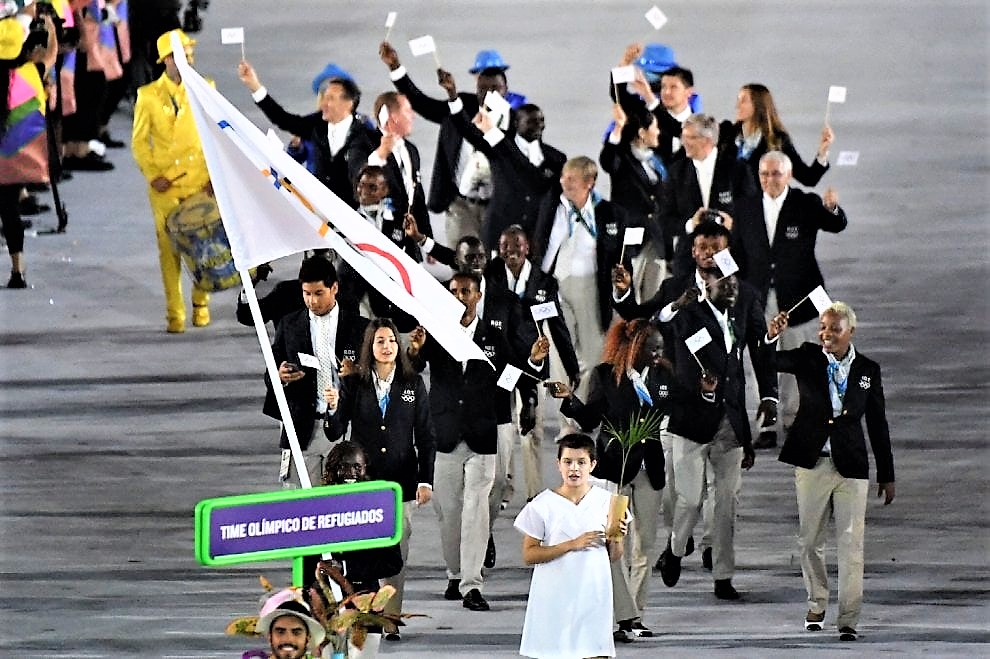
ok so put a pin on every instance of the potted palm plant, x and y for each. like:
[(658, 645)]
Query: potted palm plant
[(641, 428)]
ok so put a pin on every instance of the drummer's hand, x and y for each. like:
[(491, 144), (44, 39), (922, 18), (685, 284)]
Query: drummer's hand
[(287, 373), (161, 184)]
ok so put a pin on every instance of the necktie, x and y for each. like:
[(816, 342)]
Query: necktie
[(324, 352), (658, 167)]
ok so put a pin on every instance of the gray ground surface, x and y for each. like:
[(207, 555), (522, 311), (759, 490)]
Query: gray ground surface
[(112, 431)]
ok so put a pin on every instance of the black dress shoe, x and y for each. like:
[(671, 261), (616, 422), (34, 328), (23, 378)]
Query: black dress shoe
[(847, 634), (453, 591), (689, 547), (622, 636), (16, 280), (89, 163), (473, 601), (490, 553), (110, 142), (724, 590), (767, 439), (706, 559), (670, 568)]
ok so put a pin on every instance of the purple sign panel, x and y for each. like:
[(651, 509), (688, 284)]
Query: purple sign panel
[(303, 522)]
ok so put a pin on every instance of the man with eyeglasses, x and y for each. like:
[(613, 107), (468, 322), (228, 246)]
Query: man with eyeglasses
[(773, 241)]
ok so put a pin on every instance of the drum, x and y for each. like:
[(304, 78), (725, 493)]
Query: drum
[(198, 235)]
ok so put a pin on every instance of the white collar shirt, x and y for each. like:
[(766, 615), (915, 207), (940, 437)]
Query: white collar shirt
[(706, 174), (337, 133)]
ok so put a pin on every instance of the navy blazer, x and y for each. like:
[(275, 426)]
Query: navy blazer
[(617, 404), (518, 185), (334, 171), (463, 400), (814, 423), (540, 289), (610, 224), (636, 193), (699, 422), (401, 445), (293, 337), (808, 175), (787, 262), (747, 313), (683, 198)]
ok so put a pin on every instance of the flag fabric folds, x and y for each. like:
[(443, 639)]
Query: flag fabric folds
[(271, 207)]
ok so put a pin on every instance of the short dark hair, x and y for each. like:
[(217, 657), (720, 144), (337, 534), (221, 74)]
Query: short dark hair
[(351, 90), (495, 72), (468, 275), (579, 442), (469, 241), (684, 74), (636, 118), (317, 268), (710, 229)]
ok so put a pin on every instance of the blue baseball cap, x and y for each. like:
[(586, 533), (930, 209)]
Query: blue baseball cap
[(331, 70), (488, 59)]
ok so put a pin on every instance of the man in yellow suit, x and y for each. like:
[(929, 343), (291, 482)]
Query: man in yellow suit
[(167, 149)]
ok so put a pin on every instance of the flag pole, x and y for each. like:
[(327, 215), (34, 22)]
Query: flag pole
[(272, 368)]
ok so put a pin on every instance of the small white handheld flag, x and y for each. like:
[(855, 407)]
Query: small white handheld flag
[(633, 236), (621, 74), (820, 299), (698, 340), (231, 35), (848, 158), (544, 311), (836, 94), (509, 377), (498, 109), (390, 19), (656, 17), (422, 46), (383, 117), (725, 263)]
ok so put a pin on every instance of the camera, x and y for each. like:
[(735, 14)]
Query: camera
[(67, 37), (711, 216)]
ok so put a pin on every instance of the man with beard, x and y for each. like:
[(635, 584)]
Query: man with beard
[(291, 628)]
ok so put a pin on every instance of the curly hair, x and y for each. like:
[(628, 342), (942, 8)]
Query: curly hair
[(623, 344), (340, 453)]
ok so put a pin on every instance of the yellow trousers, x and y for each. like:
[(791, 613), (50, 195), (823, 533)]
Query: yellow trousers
[(169, 261)]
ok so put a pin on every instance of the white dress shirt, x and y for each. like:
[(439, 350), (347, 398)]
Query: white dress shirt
[(326, 354), (571, 244), (771, 212), (706, 173), (337, 133)]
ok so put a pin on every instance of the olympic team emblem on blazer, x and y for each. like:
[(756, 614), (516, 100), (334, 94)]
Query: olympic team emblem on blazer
[(864, 382), (408, 396)]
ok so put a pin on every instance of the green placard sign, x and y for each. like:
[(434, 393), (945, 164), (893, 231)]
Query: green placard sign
[(292, 523)]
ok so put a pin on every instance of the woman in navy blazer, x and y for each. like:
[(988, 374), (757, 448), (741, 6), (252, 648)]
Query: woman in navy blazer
[(839, 388), (387, 407)]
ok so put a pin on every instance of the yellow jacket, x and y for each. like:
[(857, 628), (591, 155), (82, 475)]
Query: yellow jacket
[(165, 141)]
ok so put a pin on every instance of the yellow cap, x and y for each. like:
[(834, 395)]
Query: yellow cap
[(165, 43), (12, 35)]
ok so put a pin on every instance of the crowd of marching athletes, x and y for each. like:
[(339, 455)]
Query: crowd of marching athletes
[(663, 316)]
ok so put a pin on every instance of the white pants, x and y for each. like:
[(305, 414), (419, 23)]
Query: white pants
[(792, 338), (819, 491), (723, 456), (314, 455), (462, 481)]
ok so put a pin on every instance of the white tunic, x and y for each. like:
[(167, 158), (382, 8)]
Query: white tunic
[(569, 613)]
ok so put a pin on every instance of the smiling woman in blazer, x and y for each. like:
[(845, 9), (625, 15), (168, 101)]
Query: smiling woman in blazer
[(387, 407), (839, 387)]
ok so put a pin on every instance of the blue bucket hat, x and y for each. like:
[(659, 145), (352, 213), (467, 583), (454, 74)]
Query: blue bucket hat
[(331, 70), (488, 59), (656, 58)]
